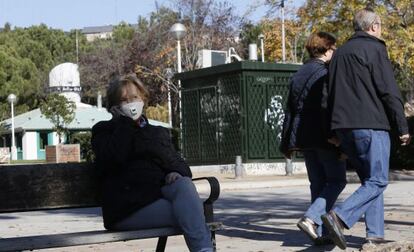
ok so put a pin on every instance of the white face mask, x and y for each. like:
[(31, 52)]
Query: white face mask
[(133, 109)]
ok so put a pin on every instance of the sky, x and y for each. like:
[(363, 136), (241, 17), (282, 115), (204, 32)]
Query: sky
[(77, 14)]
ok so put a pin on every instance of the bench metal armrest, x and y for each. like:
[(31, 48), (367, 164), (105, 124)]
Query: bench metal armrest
[(214, 194)]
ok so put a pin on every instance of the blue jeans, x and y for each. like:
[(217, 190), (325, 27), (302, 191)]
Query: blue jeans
[(327, 177), (180, 206), (368, 152)]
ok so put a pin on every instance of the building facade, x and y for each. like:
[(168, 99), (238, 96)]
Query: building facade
[(97, 32), (33, 131)]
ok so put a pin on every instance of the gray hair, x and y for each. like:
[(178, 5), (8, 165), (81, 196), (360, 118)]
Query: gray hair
[(364, 19)]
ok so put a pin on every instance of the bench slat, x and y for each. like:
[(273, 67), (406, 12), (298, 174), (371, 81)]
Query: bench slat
[(88, 237), (71, 185), (81, 238)]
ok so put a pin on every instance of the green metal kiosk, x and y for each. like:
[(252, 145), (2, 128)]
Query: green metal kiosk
[(233, 110)]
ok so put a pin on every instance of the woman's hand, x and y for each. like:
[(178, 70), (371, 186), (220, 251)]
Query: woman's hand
[(171, 177), (405, 139)]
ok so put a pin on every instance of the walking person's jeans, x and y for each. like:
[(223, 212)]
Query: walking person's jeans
[(368, 152), (180, 206), (327, 177)]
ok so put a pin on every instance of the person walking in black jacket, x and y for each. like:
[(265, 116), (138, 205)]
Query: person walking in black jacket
[(306, 129), (365, 104), (145, 182)]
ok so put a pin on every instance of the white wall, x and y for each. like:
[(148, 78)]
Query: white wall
[(29, 145), (55, 138), (103, 35)]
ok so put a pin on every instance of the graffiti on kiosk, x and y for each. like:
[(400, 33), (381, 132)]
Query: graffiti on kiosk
[(275, 115), (264, 79)]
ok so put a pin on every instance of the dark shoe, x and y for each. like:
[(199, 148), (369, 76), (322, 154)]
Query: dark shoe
[(376, 240), (322, 241), (372, 242), (308, 227), (335, 227)]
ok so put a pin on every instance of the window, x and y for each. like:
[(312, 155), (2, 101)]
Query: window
[(42, 140)]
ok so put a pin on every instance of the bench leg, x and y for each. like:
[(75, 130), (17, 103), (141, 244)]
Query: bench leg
[(162, 242), (213, 240)]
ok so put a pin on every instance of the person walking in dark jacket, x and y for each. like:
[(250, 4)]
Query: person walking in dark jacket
[(365, 105), (306, 129), (145, 182)]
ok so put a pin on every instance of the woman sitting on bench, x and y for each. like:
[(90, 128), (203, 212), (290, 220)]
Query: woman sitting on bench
[(145, 182)]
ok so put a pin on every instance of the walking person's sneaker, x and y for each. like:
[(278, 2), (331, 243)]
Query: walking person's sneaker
[(309, 227), (335, 228), (372, 242), (376, 240)]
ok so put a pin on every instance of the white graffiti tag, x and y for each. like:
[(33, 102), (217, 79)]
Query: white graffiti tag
[(275, 115)]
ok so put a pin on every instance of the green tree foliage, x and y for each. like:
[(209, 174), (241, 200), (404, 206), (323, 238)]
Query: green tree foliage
[(249, 34), (26, 57), (84, 140), (59, 110), (294, 40), (158, 112), (397, 24), (336, 17), (28, 54), (123, 33)]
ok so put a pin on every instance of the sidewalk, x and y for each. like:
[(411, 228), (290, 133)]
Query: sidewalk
[(257, 218), (228, 182)]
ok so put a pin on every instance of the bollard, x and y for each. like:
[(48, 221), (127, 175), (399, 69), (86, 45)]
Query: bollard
[(238, 169), (288, 167)]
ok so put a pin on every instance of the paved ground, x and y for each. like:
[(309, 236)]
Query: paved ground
[(256, 219)]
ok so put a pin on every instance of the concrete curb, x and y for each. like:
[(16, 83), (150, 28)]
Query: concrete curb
[(240, 184), (246, 185), (393, 176)]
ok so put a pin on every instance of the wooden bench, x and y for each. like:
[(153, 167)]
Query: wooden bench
[(73, 185)]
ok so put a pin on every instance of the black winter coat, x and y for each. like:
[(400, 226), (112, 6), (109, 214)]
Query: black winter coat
[(305, 125), (133, 162), (363, 93)]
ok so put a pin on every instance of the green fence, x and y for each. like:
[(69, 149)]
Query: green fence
[(234, 109)]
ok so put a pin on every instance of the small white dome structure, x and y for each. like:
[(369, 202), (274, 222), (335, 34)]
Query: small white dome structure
[(64, 79)]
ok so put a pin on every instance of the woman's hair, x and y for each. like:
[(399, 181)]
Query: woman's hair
[(319, 43), (114, 91)]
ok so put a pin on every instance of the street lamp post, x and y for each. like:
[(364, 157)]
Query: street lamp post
[(169, 74), (12, 99), (178, 31), (282, 5), (261, 37)]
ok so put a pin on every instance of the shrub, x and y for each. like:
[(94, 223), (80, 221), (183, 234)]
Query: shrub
[(159, 113), (84, 139)]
